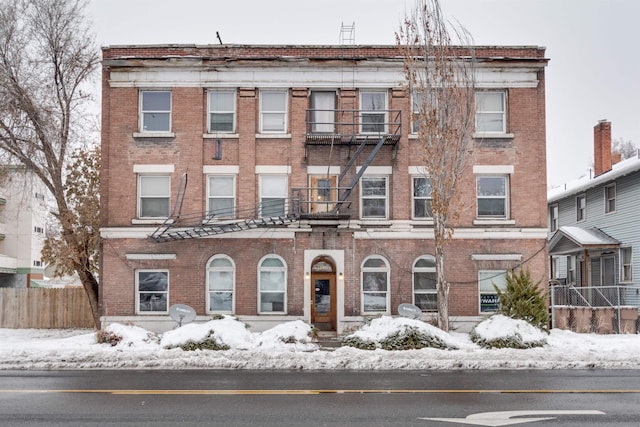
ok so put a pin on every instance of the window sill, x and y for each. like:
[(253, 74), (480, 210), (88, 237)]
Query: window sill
[(426, 222), (154, 135), (273, 136), (496, 221), (138, 221), (490, 135), (220, 135), (364, 222)]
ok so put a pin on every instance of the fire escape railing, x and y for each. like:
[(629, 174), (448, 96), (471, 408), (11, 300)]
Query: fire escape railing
[(355, 129)]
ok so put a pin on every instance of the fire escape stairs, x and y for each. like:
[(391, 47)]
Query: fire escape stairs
[(180, 226)]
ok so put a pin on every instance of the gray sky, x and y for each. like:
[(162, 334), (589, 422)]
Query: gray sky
[(594, 72)]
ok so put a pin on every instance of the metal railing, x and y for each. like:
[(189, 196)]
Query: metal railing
[(349, 123), (593, 308)]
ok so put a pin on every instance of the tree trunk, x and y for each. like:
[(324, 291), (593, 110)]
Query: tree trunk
[(90, 285)]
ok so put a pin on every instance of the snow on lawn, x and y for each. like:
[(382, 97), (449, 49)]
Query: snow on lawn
[(289, 346)]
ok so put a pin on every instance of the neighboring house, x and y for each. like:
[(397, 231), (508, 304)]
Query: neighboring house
[(595, 239), (277, 183), (23, 214)]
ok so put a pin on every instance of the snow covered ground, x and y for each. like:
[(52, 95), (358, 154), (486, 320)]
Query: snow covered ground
[(289, 347)]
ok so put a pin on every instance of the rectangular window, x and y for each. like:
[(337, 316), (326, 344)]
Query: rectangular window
[(626, 269), (323, 112), (273, 111), (571, 270), (610, 198), (553, 217), (491, 112), (417, 99), (581, 207), (373, 197), (222, 199), (492, 196), (155, 111), (152, 291), (373, 115), (222, 111), (489, 300), (422, 198), (273, 195), (154, 194), (38, 230), (37, 263)]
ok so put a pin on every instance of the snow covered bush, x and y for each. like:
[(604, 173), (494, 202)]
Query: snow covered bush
[(500, 331), (209, 342), (399, 333)]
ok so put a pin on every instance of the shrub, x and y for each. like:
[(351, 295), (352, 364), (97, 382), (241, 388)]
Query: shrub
[(208, 343), (106, 337), (523, 299), (514, 341), (357, 342), (409, 338)]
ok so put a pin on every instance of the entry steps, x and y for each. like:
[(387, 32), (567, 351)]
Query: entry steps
[(329, 340)]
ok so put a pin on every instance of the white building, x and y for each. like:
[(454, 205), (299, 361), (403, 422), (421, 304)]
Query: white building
[(23, 213)]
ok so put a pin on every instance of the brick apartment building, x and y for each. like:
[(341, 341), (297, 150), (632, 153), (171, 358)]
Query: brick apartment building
[(285, 182)]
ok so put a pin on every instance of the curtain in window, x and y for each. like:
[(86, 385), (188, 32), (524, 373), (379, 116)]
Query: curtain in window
[(323, 106)]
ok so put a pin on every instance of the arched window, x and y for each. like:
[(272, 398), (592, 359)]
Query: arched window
[(221, 284), (425, 295), (375, 285), (272, 285)]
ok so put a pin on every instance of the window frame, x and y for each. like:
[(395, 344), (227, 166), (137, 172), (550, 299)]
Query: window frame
[(425, 270), (140, 178), (321, 120), (364, 197), (284, 113), (211, 198), (211, 111), (371, 112), (283, 270), (554, 213), (626, 265), (283, 197), (416, 107), (142, 112), (230, 269), (492, 275), (428, 199), (581, 211), (609, 201), (479, 112), (138, 292), (363, 271), (505, 197)]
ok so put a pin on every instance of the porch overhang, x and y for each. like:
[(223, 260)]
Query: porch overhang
[(571, 239)]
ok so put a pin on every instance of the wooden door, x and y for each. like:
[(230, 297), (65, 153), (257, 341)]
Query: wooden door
[(323, 303), (323, 193)]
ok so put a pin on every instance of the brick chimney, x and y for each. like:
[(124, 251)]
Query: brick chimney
[(602, 147)]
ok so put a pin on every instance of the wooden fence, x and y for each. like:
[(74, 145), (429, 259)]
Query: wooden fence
[(44, 308)]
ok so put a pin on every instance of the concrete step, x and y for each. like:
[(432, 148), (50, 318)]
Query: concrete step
[(329, 340)]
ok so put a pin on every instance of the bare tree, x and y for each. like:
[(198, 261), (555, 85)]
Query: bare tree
[(47, 57), (440, 76), (627, 149)]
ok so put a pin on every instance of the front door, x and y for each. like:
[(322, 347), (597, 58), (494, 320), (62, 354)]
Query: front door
[(323, 294)]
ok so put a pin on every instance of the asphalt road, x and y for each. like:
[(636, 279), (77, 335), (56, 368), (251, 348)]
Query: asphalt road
[(319, 398)]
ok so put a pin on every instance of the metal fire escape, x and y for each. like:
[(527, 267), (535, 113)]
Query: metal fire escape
[(349, 129)]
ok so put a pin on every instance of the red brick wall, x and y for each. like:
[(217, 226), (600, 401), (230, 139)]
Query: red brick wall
[(189, 151)]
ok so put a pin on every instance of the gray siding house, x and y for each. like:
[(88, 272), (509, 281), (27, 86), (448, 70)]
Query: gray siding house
[(594, 228)]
